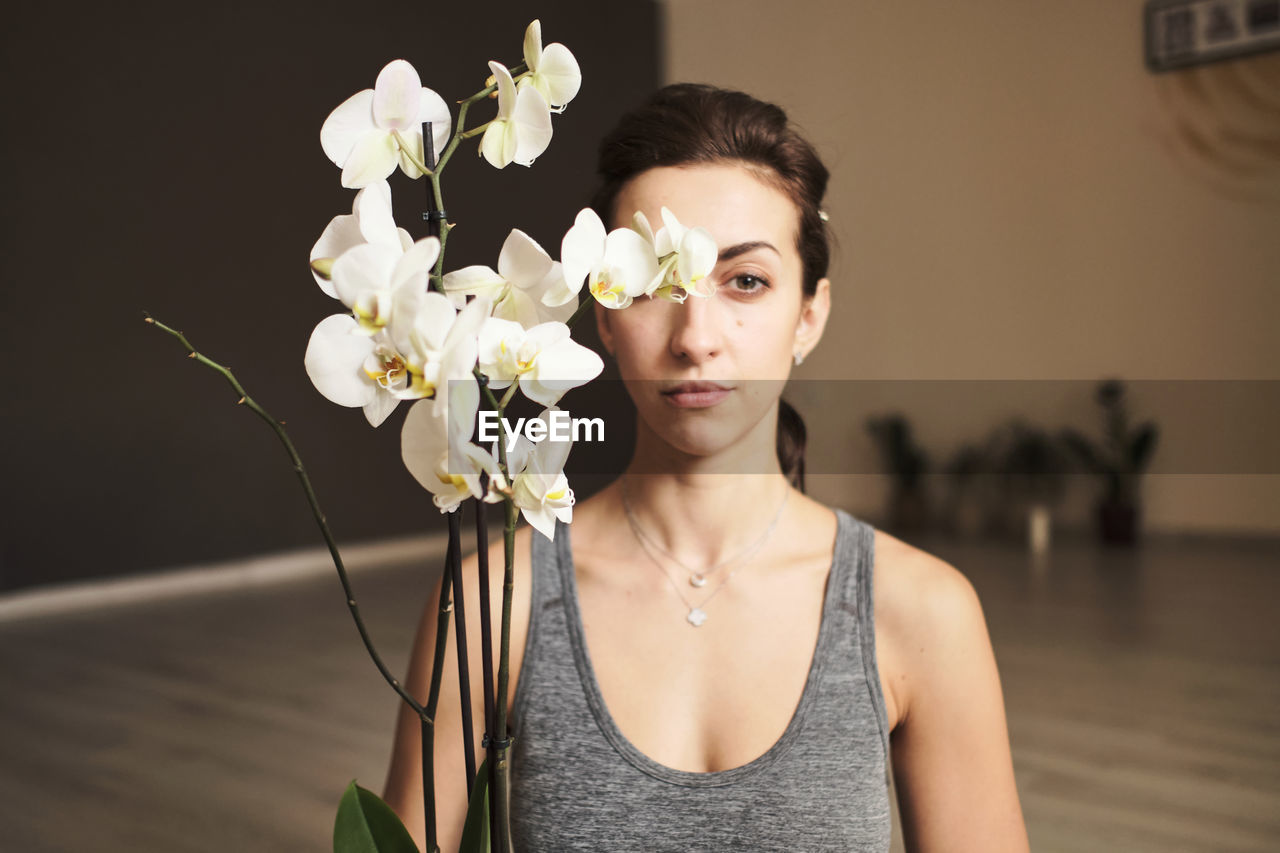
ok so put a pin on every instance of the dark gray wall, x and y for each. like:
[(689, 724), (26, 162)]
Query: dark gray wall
[(165, 157)]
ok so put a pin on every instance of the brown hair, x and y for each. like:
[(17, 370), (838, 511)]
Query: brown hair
[(690, 123)]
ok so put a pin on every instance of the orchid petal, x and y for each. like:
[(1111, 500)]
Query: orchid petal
[(498, 145), (540, 519), (533, 44), (463, 397), (518, 307), (532, 117), (560, 313), (414, 264), (560, 368), (558, 75), (362, 268), (335, 353), (630, 258), (581, 251), (546, 335), (506, 89), (476, 279), (423, 440), (344, 127), (640, 225), (380, 408), (549, 456), (373, 158), (395, 96), (519, 456), (674, 229), (432, 108), (373, 207), (494, 332), (341, 234), (522, 261), (434, 319), (412, 145), (406, 304), (461, 350), (697, 257)]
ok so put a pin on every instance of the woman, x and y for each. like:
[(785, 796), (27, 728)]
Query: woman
[(708, 659)]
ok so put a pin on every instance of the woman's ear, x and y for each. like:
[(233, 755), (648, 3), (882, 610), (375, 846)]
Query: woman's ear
[(602, 326), (813, 318)]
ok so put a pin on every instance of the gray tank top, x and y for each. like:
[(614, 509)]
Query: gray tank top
[(579, 784)]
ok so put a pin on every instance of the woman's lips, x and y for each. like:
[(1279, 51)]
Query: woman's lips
[(696, 395)]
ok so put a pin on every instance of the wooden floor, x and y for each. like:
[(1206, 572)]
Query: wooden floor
[(1142, 691)]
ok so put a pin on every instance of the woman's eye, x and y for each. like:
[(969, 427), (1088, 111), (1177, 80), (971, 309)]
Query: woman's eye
[(748, 283)]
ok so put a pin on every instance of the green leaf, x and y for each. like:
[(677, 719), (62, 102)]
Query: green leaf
[(365, 824), (475, 832)]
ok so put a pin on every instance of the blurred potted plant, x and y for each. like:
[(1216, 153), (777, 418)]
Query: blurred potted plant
[(1032, 465), (1120, 459), (964, 509), (907, 463)]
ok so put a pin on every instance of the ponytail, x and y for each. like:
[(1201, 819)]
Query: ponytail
[(791, 441)]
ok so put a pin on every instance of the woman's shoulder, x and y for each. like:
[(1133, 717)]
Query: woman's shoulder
[(926, 611)]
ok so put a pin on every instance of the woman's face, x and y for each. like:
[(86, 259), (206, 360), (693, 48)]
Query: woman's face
[(743, 337)]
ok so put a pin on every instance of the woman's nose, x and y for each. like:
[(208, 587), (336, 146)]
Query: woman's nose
[(695, 332)]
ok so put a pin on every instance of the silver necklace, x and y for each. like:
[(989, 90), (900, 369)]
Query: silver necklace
[(698, 578), (697, 614)]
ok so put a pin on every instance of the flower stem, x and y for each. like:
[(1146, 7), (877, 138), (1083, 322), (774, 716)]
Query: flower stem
[(486, 648), (454, 566), (278, 428), (581, 309), (501, 798), (476, 131), (506, 398), (407, 151), (433, 699)]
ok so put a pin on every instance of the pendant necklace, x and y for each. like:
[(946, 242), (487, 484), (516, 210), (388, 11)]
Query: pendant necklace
[(697, 615)]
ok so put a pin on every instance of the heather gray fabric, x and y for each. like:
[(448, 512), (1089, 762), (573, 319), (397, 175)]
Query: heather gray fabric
[(579, 784)]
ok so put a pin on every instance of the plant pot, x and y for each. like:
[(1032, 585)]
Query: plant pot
[(1118, 523), (1039, 525)]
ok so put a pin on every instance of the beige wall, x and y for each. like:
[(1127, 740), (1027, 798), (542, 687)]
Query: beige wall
[(1016, 197)]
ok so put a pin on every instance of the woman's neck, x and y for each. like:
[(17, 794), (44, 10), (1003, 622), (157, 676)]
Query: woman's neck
[(702, 509)]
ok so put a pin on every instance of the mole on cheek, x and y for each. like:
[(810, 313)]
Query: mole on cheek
[(740, 322)]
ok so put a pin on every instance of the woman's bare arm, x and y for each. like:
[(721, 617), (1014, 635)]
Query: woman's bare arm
[(403, 791), (951, 757)]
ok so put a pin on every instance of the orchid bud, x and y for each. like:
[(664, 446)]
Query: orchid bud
[(323, 267)]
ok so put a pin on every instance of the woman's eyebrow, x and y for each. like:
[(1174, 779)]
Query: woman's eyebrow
[(731, 252)]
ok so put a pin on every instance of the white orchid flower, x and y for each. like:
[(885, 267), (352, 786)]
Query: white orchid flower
[(686, 256), (442, 345), (525, 272), (375, 130), (378, 280), (538, 486), (370, 221), (552, 70), (543, 360), (352, 368), (617, 266), (522, 129), (359, 359), (426, 344), (436, 448)]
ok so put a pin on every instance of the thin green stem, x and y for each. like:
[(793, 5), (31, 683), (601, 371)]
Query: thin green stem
[(476, 131), (407, 151), (313, 502), (428, 729), (506, 398), (582, 308)]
